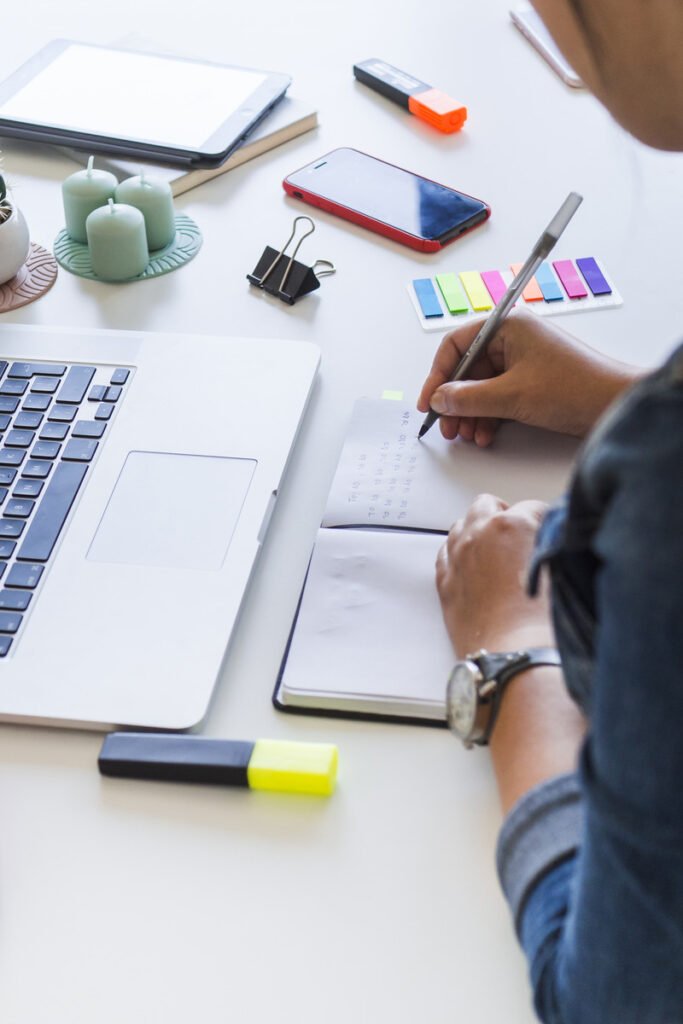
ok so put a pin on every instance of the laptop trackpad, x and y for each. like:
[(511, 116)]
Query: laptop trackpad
[(178, 511)]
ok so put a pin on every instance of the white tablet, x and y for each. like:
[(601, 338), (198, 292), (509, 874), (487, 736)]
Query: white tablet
[(122, 101)]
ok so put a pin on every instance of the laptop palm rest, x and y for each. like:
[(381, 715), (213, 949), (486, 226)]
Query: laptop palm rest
[(176, 511)]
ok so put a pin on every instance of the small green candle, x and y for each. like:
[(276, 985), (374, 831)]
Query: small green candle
[(82, 193), (154, 199), (117, 241)]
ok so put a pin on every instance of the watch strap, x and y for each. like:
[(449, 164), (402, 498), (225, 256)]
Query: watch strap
[(503, 668)]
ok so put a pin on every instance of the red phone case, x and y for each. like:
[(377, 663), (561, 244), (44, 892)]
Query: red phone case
[(378, 226)]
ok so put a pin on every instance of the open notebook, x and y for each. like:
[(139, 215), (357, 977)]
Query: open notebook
[(368, 637)]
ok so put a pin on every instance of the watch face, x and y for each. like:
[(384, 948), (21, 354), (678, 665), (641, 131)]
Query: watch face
[(461, 698)]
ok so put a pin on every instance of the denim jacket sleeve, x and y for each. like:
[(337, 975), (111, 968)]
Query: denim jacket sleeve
[(603, 926)]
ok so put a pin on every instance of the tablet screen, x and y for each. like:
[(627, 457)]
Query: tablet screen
[(128, 95)]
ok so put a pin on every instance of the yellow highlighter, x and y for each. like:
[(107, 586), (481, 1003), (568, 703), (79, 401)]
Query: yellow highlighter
[(277, 765)]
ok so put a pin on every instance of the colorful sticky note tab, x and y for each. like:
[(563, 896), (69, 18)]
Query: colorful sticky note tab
[(494, 283), (393, 396), (569, 276), (454, 296), (595, 279), (532, 293), (427, 297), (477, 291), (547, 282)]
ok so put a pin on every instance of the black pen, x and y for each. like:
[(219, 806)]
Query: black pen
[(540, 251)]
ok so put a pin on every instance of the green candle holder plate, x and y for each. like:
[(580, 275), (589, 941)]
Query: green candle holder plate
[(75, 256)]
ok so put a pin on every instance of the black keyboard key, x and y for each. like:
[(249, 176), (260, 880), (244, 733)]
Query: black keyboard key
[(45, 385), (51, 514), (13, 387), (6, 548), (3, 367), (7, 476), (112, 394), (33, 369), (9, 404), (104, 412), (119, 376), (9, 622), (27, 489), (5, 421), (88, 428), (62, 413), (28, 420), (15, 600), (21, 508), (3, 566), (20, 438), (76, 384), (36, 470), (12, 456), (5, 644), (25, 576), (11, 528), (45, 450), (3, 494), (37, 403), (54, 432), (97, 392), (79, 451)]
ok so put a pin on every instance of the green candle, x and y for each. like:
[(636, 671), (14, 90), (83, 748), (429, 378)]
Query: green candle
[(82, 193), (117, 241), (154, 199)]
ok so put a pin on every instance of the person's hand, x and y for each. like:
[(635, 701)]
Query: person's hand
[(481, 577), (531, 372)]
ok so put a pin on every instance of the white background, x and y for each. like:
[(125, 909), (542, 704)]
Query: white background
[(141, 902)]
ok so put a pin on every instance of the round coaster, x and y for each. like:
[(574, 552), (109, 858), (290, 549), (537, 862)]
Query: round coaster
[(75, 256), (35, 278)]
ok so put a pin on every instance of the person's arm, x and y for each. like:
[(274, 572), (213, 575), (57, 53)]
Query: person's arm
[(532, 372), (480, 575)]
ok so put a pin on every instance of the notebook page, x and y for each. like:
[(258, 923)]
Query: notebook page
[(370, 628), (386, 477)]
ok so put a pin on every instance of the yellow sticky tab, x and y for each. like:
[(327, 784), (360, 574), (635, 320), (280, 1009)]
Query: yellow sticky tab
[(393, 396), (289, 767), (477, 292)]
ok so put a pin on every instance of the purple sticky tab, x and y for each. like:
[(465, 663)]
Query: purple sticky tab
[(571, 282), (495, 285), (595, 279)]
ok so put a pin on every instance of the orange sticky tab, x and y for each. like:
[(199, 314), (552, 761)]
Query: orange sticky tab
[(438, 109), (532, 292)]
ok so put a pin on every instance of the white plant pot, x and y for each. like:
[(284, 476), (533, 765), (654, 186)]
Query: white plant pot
[(14, 245)]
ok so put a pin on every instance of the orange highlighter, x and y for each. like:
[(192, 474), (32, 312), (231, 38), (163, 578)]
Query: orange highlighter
[(426, 102)]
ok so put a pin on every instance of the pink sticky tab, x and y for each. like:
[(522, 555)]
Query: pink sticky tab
[(495, 285), (569, 276)]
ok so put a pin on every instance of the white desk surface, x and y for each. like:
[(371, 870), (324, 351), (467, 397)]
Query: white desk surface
[(145, 902)]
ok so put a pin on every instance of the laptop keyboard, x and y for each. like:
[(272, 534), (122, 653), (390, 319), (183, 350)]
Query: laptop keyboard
[(53, 419)]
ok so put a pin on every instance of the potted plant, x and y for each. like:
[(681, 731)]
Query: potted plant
[(14, 236)]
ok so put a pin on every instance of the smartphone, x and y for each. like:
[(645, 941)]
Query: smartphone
[(532, 28), (387, 199)]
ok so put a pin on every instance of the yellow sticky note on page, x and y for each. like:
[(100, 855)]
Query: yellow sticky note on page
[(393, 396)]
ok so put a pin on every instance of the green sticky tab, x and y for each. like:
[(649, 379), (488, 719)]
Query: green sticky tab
[(393, 396), (453, 293)]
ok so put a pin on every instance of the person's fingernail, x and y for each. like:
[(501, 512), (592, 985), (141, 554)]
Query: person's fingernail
[(438, 402)]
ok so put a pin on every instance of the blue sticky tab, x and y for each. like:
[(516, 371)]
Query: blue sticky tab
[(548, 284), (427, 297)]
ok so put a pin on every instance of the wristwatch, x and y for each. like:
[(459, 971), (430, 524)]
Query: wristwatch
[(476, 685)]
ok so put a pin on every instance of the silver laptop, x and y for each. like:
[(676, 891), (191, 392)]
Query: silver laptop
[(138, 474)]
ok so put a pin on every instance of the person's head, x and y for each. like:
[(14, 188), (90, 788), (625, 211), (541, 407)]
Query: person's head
[(629, 53)]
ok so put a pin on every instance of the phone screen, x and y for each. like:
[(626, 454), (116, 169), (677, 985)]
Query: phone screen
[(389, 194)]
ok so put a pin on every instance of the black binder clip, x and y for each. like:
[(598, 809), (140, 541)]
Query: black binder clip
[(283, 276)]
